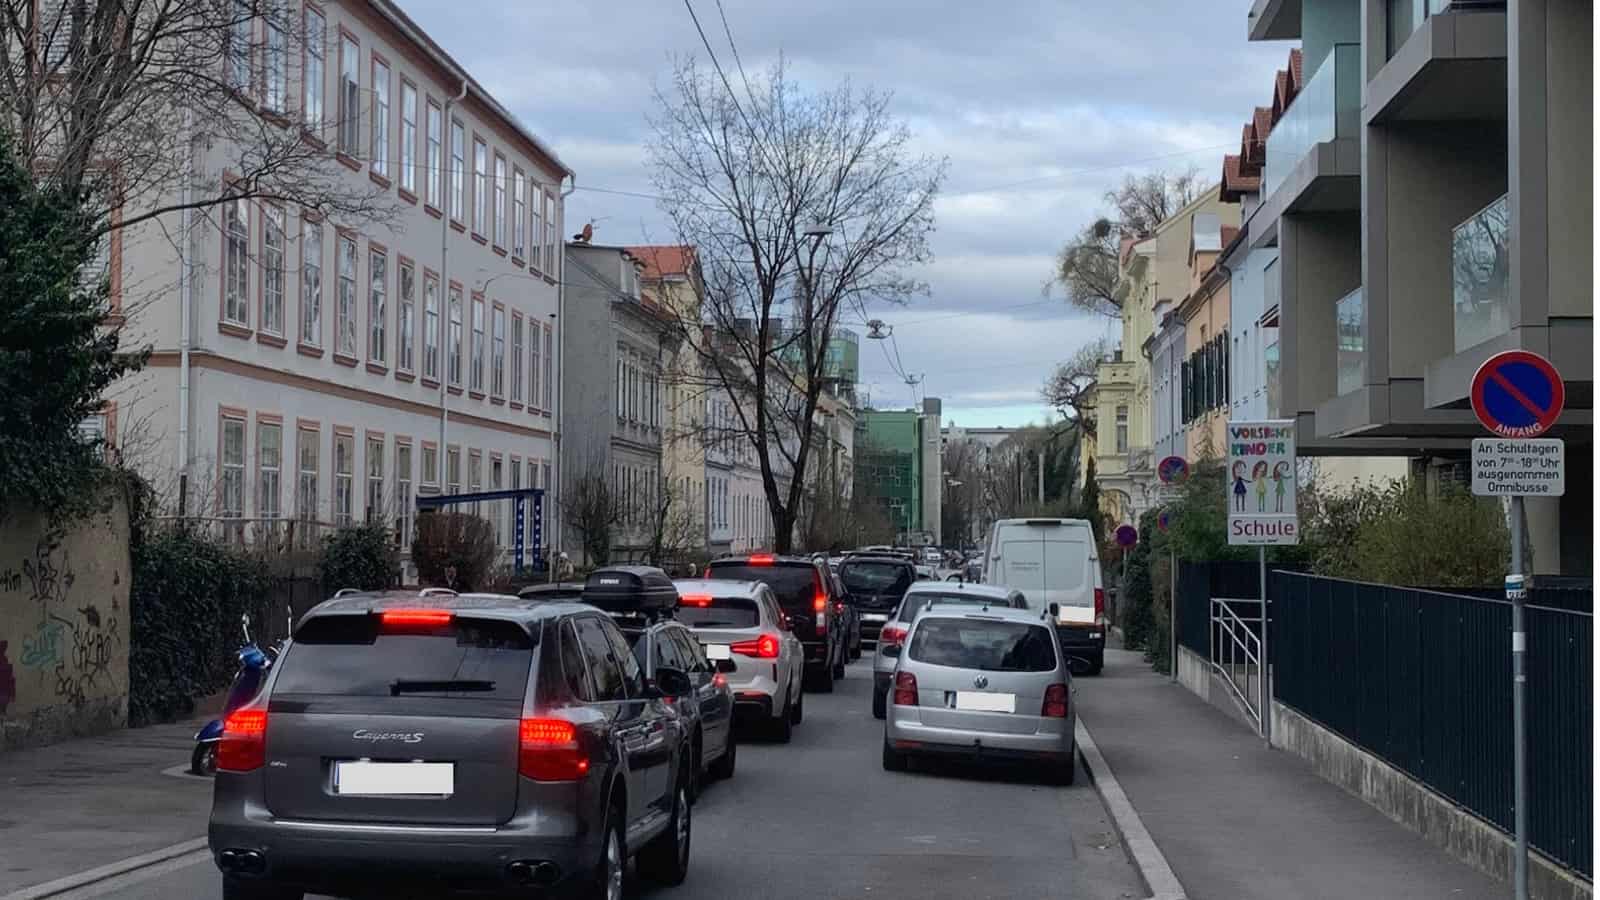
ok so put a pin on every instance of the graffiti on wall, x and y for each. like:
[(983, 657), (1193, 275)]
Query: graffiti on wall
[(70, 646)]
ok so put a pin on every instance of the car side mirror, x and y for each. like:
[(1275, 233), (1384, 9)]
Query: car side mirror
[(726, 666), (892, 651), (672, 682)]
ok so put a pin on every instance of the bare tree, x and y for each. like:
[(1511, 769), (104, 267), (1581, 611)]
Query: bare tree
[(799, 206), (676, 533), (114, 101), (593, 508), (1072, 380), (1088, 266), (964, 489)]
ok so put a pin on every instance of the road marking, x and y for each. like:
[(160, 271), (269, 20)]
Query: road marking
[(195, 848), (1147, 857)]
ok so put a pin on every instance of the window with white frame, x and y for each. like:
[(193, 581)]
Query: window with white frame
[(236, 265), (406, 321), (519, 214), (516, 358), (500, 235), (433, 160), (622, 385), (452, 473), (535, 366), (231, 499), (272, 269), (404, 499), (454, 347), (345, 333), (497, 470), (380, 117), (458, 167), (307, 453), (474, 475), (536, 234), (375, 498), (344, 479), (349, 96), (378, 306), (311, 283), (550, 244), (477, 343), (497, 359), (92, 431), (241, 28), (549, 356), (430, 327), (480, 186), (430, 473), (1122, 429), (269, 470), (275, 56), (312, 85), (408, 137)]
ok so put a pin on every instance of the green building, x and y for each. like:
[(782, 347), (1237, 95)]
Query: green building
[(896, 451)]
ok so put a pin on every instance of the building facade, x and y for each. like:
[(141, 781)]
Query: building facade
[(900, 465), (327, 370)]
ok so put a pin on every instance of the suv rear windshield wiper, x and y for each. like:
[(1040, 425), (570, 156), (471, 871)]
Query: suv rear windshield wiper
[(415, 686)]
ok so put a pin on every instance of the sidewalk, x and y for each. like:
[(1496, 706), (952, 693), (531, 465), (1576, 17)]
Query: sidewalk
[(85, 803), (1239, 821)]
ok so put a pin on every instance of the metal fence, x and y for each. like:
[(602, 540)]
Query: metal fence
[(1422, 680), (1198, 582)]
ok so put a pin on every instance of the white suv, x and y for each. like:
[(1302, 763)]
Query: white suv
[(742, 621)]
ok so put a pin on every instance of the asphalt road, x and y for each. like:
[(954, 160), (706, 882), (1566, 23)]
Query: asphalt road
[(819, 818)]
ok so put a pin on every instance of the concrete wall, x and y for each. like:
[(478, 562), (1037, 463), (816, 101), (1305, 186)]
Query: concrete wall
[(1321, 262), (1413, 805), (1324, 23), (63, 627)]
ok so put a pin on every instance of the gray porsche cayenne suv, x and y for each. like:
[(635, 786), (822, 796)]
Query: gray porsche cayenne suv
[(440, 743)]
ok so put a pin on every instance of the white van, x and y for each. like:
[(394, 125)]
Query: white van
[(1055, 561)]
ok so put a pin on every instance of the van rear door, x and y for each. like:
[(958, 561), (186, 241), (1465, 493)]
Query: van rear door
[(1050, 561)]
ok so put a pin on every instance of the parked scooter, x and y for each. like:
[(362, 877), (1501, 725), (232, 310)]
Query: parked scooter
[(254, 663)]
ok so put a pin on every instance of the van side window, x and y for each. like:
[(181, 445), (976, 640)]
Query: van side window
[(572, 667)]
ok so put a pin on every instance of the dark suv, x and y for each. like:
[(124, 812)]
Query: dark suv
[(874, 585), (436, 743), (806, 594), (707, 709)]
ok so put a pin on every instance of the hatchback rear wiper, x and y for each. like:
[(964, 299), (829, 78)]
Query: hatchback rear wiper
[(415, 686), (712, 623)]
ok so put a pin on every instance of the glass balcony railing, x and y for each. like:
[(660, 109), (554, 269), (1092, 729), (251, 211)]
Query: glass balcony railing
[(1350, 316), (1328, 107), (1480, 274)]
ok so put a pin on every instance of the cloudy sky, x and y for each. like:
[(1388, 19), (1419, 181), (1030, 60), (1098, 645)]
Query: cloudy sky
[(1065, 96)]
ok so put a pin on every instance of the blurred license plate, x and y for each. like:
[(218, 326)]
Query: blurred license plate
[(718, 651), (873, 617), (982, 701), (383, 779)]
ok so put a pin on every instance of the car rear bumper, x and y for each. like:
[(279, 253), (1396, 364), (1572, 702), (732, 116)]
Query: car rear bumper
[(752, 706), (1082, 640), (905, 732)]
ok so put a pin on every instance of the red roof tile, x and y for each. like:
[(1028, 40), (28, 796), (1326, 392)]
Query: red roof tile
[(1297, 69), (1236, 182), (662, 260)]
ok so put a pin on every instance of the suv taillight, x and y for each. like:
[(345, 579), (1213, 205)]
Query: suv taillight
[(1099, 606), (1055, 702), (243, 747), (892, 635), (905, 689), (549, 751), (764, 647), (819, 603)]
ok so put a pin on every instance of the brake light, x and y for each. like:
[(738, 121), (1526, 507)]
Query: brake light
[(892, 635), (1055, 702), (695, 600), (839, 607), (764, 647), (760, 559), (549, 751), (243, 747), (905, 689), (1099, 606), (819, 603), (400, 619)]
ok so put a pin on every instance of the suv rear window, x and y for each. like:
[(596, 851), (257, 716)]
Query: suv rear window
[(349, 656), (795, 585), (989, 646), (876, 577), (719, 612)]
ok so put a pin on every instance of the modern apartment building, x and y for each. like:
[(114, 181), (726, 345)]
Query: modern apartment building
[(1427, 187), (327, 370), (899, 462)]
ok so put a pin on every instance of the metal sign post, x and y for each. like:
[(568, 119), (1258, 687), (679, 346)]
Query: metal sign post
[(1173, 471), (1518, 395), (1261, 493)]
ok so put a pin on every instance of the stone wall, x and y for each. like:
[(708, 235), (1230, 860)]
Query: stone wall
[(63, 626)]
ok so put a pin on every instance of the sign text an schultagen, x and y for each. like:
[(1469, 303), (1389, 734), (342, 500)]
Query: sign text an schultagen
[(1260, 440)]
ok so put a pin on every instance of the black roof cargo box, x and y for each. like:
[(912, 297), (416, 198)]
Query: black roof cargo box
[(630, 589)]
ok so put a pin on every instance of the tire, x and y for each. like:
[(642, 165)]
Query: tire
[(609, 879), (696, 759), (722, 769), (665, 860), (1096, 666), (893, 761), (797, 713), (203, 761), (783, 725), (880, 703), (822, 680), (241, 889), (838, 667), (1067, 774)]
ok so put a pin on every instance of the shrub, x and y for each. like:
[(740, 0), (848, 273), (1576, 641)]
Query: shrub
[(363, 557), (185, 601), (1136, 597), (1406, 537), (454, 550)]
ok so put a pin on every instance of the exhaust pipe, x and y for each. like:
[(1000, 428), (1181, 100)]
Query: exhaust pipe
[(242, 862), (533, 873)]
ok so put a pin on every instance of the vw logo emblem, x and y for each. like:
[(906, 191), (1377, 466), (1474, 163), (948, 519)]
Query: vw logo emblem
[(982, 681)]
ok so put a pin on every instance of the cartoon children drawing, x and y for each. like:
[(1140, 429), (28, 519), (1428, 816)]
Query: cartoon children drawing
[(1238, 487), (1280, 474), (1258, 474)]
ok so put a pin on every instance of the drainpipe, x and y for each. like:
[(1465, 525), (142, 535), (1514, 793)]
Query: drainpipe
[(186, 292), (445, 186), (561, 383)]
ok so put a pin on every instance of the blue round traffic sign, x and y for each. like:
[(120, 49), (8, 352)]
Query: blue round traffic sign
[(1517, 394)]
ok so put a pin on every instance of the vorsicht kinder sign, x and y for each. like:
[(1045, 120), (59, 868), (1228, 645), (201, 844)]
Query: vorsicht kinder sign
[(1261, 483)]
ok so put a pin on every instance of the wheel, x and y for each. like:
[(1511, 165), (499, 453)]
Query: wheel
[(797, 714), (204, 759), (822, 680), (695, 760), (893, 761), (665, 860), (606, 883), (1096, 666), (240, 889), (855, 647), (723, 767), (880, 703), (783, 725), (1067, 774)]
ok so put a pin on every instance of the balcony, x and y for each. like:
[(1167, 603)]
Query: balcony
[(1480, 274), (1351, 319), (1329, 108)]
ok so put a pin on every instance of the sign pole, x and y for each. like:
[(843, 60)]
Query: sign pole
[(1265, 679), (1517, 593), (1172, 604)]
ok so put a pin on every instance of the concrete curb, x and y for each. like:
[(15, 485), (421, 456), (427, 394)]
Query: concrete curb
[(1157, 875), (106, 872)]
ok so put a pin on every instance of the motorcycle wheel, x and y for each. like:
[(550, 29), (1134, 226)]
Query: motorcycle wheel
[(204, 759)]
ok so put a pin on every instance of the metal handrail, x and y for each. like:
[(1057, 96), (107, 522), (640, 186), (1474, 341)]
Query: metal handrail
[(1239, 640)]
